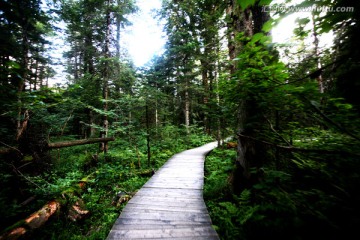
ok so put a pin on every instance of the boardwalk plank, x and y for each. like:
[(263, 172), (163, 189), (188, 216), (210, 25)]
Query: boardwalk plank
[(168, 216), (176, 186), (169, 192), (170, 205), (179, 225), (164, 233), (160, 208), (172, 201), (156, 223)]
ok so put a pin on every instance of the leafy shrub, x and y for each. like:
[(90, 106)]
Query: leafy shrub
[(313, 199)]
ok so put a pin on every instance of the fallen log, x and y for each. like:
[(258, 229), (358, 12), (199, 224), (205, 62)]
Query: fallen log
[(40, 217), (62, 144), (78, 142), (35, 220), (7, 150)]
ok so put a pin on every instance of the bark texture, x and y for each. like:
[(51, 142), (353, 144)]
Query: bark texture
[(246, 22)]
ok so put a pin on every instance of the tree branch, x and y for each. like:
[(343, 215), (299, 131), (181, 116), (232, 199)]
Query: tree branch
[(9, 149), (310, 75), (296, 149), (327, 119), (278, 134)]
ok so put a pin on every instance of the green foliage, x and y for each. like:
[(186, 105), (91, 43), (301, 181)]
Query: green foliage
[(8, 209), (291, 194), (314, 196), (246, 3), (124, 168), (258, 83), (265, 2), (217, 169)]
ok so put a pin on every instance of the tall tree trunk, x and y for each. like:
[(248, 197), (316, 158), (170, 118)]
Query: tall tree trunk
[(41, 76), (92, 130), (157, 122), (205, 82), (148, 134), (248, 21), (36, 75), (104, 131), (118, 30), (219, 116), (105, 126), (88, 58), (23, 115), (118, 53), (187, 106), (76, 63), (231, 36), (317, 55)]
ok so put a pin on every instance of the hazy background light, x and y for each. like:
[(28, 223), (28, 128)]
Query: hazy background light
[(144, 38), (283, 32)]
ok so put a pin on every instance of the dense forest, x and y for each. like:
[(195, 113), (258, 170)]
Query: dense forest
[(71, 155)]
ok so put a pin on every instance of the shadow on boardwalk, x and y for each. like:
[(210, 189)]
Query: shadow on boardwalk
[(170, 205)]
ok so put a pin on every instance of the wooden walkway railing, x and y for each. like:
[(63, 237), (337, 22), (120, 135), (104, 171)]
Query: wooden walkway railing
[(170, 205)]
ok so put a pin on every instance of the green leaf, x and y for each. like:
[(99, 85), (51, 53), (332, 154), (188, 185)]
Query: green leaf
[(257, 37), (265, 40), (267, 26), (13, 64), (302, 21), (325, 27), (246, 3), (265, 2)]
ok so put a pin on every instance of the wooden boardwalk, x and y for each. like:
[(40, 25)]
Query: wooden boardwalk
[(170, 205)]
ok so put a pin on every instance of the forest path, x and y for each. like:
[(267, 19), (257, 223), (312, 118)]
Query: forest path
[(170, 205)]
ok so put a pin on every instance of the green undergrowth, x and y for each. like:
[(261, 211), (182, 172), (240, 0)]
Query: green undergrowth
[(314, 197), (123, 169)]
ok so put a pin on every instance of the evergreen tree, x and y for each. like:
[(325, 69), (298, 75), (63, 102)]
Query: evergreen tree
[(23, 61), (94, 59)]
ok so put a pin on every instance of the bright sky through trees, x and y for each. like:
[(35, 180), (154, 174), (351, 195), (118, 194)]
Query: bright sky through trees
[(144, 38)]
